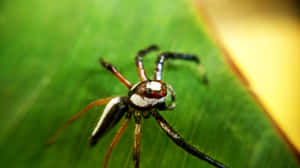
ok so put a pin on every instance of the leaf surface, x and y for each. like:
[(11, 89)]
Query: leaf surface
[(49, 71)]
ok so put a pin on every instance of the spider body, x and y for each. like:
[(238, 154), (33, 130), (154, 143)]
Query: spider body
[(143, 100), (148, 94)]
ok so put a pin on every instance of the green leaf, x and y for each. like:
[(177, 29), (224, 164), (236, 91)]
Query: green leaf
[(49, 71)]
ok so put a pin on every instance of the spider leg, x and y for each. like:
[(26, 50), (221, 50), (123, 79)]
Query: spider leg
[(116, 139), (139, 61), (178, 140), (117, 74), (77, 115), (112, 114), (170, 55), (137, 142)]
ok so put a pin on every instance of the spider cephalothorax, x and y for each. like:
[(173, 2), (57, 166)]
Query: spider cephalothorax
[(144, 99), (148, 94)]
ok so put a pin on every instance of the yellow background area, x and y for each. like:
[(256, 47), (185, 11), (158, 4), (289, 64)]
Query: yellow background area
[(263, 38)]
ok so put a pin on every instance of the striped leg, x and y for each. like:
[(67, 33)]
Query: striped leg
[(139, 61), (169, 55)]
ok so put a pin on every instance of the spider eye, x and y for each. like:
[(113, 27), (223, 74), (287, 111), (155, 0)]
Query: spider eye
[(149, 91)]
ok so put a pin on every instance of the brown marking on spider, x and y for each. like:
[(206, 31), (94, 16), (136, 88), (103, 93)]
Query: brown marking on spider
[(144, 99)]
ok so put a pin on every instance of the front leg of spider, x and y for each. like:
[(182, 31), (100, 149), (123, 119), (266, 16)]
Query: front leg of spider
[(171, 55)]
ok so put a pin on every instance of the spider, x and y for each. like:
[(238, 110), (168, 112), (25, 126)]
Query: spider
[(144, 99)]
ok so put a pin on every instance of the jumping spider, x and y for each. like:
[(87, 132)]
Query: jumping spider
[(144, 99)]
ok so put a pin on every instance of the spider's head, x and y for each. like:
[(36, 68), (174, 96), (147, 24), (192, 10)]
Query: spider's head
[(148, 93), (155, 89)]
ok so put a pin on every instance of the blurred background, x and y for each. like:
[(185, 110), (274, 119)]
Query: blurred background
[(263, 39)]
